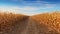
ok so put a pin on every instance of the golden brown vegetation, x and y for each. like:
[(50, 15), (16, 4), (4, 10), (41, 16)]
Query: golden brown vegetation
[(10, 22), (51, 20), (46, 23)]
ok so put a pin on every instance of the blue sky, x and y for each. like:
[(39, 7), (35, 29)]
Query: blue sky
[(29, 7)]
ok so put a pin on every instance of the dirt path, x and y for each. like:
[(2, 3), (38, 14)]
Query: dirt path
[(34, 28)]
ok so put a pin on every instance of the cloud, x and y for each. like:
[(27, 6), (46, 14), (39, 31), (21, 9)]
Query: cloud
[(23, 10), (28, 10), (28, 7)]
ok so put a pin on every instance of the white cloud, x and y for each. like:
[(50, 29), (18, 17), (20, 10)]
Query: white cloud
[(23, 10), (28, 10)]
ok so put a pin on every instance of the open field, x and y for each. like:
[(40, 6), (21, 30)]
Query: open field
[(45, 23)]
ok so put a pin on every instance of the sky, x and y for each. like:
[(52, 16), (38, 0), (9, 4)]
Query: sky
[(29, 7)]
